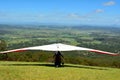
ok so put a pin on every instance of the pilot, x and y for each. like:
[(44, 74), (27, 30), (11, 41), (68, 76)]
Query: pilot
[(58, 59)]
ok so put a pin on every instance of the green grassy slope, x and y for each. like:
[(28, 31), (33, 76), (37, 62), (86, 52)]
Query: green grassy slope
[(46, 71)]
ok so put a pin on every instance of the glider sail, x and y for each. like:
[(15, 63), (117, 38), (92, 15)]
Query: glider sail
[(58, 47)]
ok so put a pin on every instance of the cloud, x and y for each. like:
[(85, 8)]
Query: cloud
[(3, 14), (73, 15), (110, 3), (92, 13), (117, 21), (99, 10), (85, 16)]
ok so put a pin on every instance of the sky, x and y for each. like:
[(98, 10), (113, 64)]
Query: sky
[(85, 12)]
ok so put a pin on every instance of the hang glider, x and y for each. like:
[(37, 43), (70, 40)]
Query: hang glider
[(59, 47)]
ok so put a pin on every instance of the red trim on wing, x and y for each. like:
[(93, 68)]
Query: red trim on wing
[(19, 50), (103, 52), (15, 50)]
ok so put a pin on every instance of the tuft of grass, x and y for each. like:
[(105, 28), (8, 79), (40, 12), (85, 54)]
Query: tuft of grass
[(47, 71)]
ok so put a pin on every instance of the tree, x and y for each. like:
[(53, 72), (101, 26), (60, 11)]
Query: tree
[(2, 48)]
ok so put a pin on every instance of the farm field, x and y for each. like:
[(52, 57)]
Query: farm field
[(46, 71), (84, 36)]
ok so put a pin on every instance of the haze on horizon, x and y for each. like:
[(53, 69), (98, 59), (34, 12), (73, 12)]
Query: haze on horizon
[(85, 12)]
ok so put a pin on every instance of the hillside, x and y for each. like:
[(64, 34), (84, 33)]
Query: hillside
[(46, 71)]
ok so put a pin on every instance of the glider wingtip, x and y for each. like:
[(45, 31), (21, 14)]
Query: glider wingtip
[(118, 54), (103, 52), (16, 50)]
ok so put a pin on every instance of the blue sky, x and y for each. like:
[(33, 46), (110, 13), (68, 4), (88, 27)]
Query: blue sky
[(86, 12)]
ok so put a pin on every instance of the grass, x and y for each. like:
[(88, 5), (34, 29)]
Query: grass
[(46, 71)]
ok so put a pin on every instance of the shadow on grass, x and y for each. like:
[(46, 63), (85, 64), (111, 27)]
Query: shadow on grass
[(52, 65), (86, 67)]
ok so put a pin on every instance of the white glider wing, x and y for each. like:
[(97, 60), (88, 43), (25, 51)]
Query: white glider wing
[(58, 47)]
